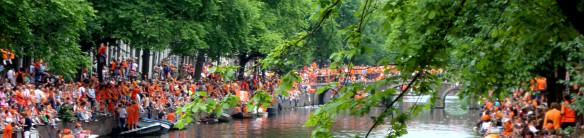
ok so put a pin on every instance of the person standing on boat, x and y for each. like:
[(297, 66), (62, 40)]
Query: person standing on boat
[(133, 115), (122, 114)]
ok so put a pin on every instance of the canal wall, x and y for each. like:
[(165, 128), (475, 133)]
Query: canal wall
[(101, 127)]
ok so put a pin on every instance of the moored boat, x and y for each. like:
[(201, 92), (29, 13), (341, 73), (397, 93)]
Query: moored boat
[(262, 114), (147, 128), (170, 124), (242, 115), (225, 118), (271, 111)]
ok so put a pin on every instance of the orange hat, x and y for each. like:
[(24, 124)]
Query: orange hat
[(77, 124), (485, 117), (549, 126), (66, 131)]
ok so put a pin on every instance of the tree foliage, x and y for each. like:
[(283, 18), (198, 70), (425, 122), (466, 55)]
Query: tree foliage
[(494, 45), (48, 30)]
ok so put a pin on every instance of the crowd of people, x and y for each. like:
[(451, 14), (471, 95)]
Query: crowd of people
[(526, 113), (34, 97)]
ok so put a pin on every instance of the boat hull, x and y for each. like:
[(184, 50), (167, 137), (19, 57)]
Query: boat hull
[(170, 124), (147, 128)]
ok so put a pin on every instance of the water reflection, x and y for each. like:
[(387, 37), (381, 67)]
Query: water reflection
[(451, 122)]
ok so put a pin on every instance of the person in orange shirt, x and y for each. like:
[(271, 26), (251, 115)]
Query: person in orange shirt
[(5, 55), (102, 49), (554, 115), (488, 103), (135, 92), (113, 68), (170, 117), (67, 133), (508, 129), (130, 117), (8, 130), (136, 117), (534, 102), (314, 66), (541, 83), (568, 114), (193, 88)]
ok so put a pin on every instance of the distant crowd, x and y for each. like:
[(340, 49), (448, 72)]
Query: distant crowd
[(526, 113)]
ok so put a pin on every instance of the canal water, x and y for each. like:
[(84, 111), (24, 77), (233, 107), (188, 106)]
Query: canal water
[(452, 122)]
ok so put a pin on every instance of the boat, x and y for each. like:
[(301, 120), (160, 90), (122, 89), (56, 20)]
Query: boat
[(262, 114), (147, 128), (271, 111), (242, 115), (212, 119), (171, 124), (225, 118), (209, 120)]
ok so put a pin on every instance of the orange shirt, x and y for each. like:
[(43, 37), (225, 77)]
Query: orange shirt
[(555, 116), (210, 88), (7, 131), (135, 93), (102, 50), (177, 92), (569, 114), (171, 117), (193, 88), (541, 83), (226, 88), (507, 129), (4, 54), (314, 65), (136, 110), (113, 65), (534, 102), (488, 105), (548, 126), (124, 64), (130, 111)]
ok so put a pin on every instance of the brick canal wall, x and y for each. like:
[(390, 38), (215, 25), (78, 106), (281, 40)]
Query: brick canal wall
[(102, 127)]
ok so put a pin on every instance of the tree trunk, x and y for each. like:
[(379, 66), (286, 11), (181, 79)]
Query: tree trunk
[(199, 65), (145, 62), (554, 90), (241, 70)]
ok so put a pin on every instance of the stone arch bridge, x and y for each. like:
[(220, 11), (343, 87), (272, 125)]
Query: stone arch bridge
[(445, 89)]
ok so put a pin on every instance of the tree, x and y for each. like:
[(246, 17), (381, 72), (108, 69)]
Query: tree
[(48, 30), (496, 44)]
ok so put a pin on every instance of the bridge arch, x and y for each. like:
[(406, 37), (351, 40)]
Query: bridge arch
[(440, 103), (445, 90)]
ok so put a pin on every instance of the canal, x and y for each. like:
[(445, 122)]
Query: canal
[(450, 122)]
